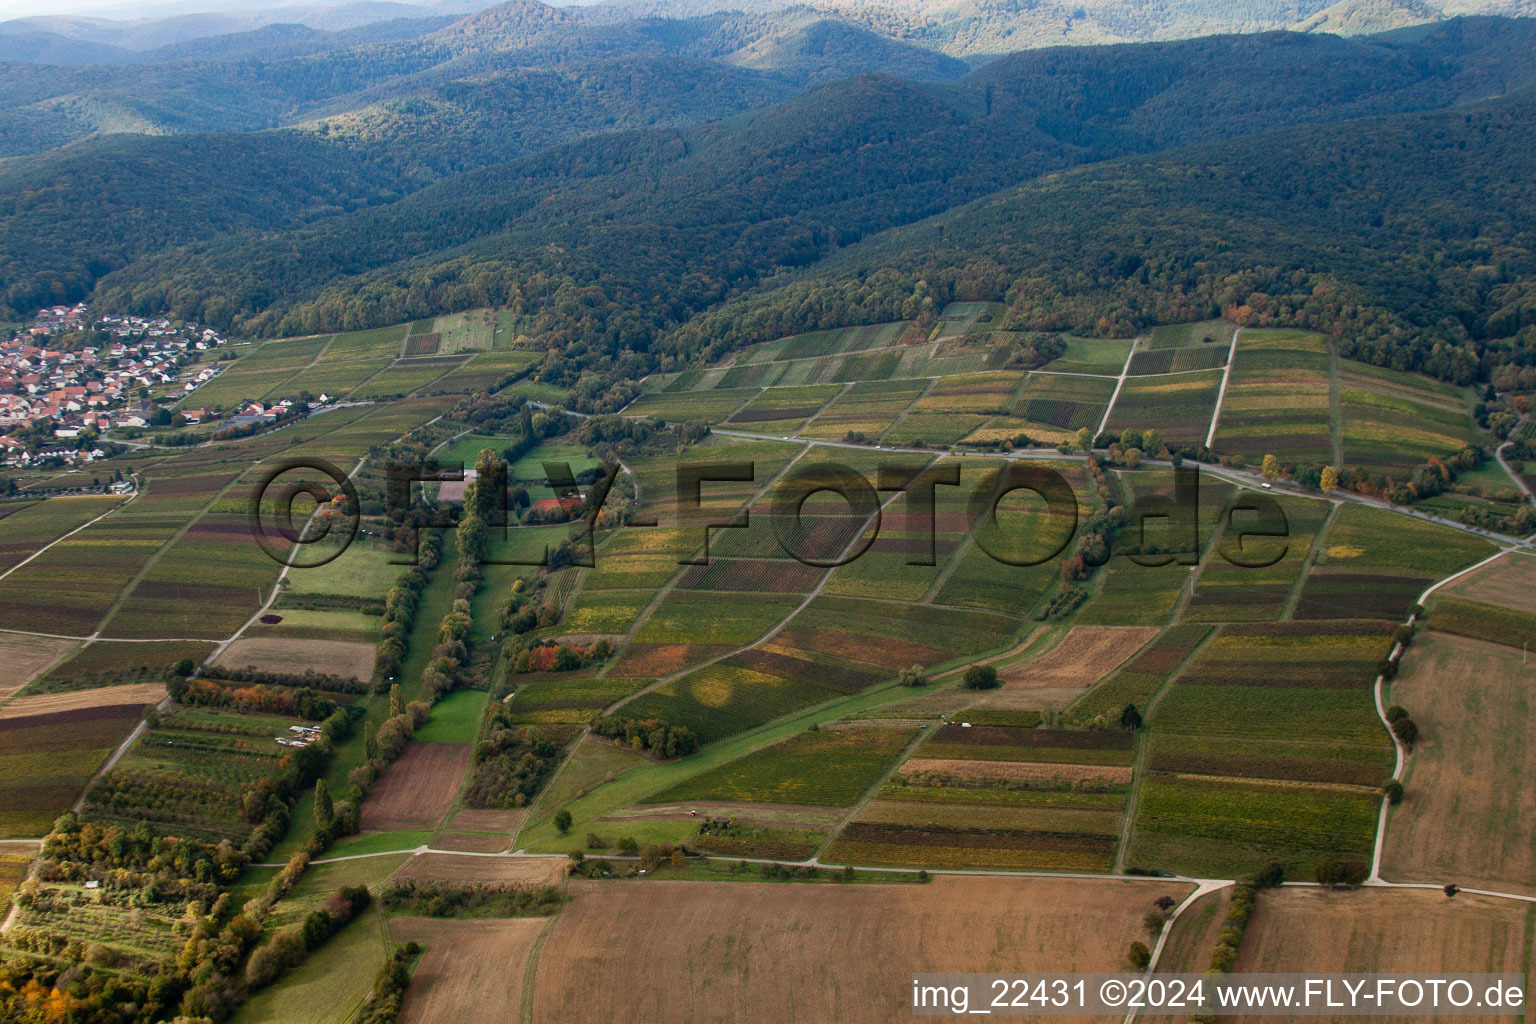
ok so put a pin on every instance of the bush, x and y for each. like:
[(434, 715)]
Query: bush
[(1138, 956), (1272, 876), (1341, 872), (981, 677)]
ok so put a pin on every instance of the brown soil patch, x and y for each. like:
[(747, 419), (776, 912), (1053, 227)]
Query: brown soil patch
[(471, 971), (1409, 931), (450, 867), (417, 790), (470, 842), (1084, 656), (1011, 771), (643, 661), (886, 652), (1469, 813), (765, 953), (23, 656), (1509, 581), (106, 696), (293, 656), (471, 820)]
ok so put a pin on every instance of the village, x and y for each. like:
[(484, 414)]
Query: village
[(67, 378)]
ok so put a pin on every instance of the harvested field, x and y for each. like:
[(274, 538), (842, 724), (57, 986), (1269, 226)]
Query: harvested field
[(471, 969), (759, 952), (23, 656), (1084, 656), (1384, 930), (107, 696), (295, 656), (921, 769), (470, 842), (417, 790), (475, 820), (1509, 582), (451, 867), (1469, 814)]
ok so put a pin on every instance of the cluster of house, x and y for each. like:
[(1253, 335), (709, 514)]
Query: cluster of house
[(305, 735), (92, 388)]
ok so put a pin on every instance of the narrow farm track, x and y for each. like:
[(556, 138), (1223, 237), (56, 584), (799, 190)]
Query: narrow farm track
[(1245, 478), (1498, 453), (1203, 888), (1120, 383), (1221, 396), (1379, 694)]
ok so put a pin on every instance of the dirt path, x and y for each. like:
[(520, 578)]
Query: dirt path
[(1221, 396), (1401, 752), (1498, 453), (1119, 383)]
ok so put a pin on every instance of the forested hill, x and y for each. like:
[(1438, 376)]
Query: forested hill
[(659, 225), (258, 88), (1411, 239), (69, 216)]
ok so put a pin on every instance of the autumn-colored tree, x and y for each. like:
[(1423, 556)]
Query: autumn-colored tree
[(1330, 479), (1083, 439), (396, 701), (1270, 470)]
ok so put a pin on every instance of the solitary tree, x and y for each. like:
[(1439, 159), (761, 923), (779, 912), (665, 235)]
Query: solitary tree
[(1130, 718), (563, 820), (325, 812), (1392, 789), (981, 677), (1083, 439), (913, 676), (1270, 469), (1330, 479), (1138, 955)]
